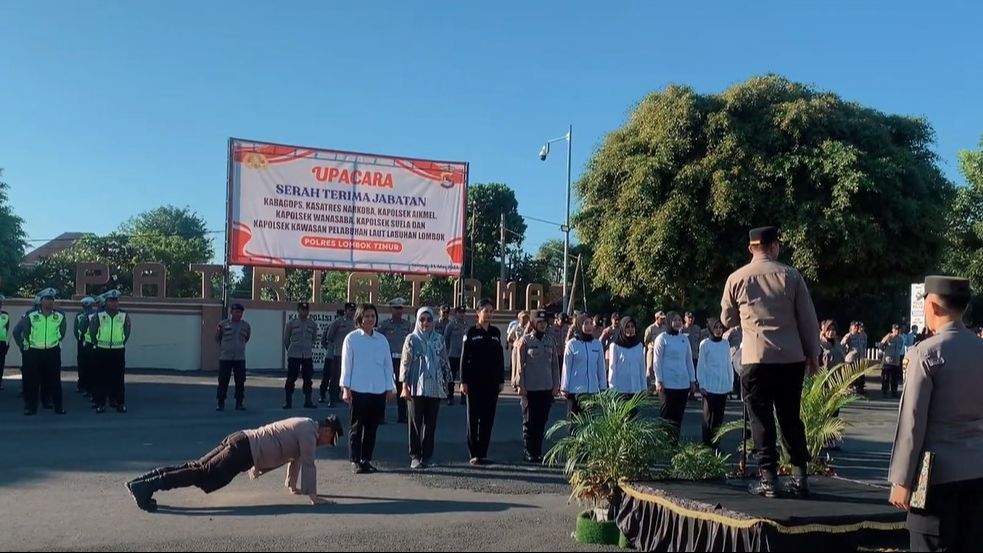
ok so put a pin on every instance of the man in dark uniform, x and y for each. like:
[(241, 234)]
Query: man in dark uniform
[(482, 380), (331, 342), (771, 302), (940, 413)]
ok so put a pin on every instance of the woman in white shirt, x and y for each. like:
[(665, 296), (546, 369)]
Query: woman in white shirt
[(583, 365), (716, 380), (675, 375), (366, 384), (626, 360)]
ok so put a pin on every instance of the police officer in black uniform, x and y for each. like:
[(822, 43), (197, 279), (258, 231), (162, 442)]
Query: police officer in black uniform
[(482, 380)]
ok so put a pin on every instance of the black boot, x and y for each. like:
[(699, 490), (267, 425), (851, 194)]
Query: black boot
[(308, 404), (220, 406), (289, 401), (798, 485), (766, 487), (142, 492), (239, 406), (159, 472)]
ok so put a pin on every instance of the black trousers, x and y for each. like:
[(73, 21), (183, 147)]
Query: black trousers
[(80, 352), (951, 519), (4, 348), (575, 405), (108, 376), (423, 413), (770, 390), (861, 385), (225, 371), (297, 366), (535, 414), (714, 406), (331, 378), (482, 405), (891, 379), (400, 402), (42, 375), (456, 372), (673, 407), (215, 470), (368, 410)]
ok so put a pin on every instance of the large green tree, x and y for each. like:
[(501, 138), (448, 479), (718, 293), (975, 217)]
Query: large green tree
[(965, 254), (173, 236), (13, 243), (486, 204), (667, 200), (176, 237)]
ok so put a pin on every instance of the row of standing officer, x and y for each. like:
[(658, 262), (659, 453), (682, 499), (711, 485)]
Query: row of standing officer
[(101, 335)]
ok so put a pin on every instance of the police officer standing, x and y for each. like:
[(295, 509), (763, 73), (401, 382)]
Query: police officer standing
[(482, 380), (454, 340), (298, 339), (771, 302), (39, 334), (537, 378), (232, 335), (110, 330), (83, 342), (4, 338), (332, 342), (652, 334), (395, 330), (940, 413), (444, 319)]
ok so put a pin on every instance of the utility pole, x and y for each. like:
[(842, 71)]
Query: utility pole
[(501, 229)]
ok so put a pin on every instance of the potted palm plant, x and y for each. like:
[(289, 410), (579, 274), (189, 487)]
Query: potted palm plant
[(823, 396), (606, 444)]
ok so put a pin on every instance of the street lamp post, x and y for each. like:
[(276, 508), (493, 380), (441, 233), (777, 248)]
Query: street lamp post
[(566, 226)]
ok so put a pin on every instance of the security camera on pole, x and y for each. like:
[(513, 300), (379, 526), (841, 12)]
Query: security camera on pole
[(566, 227)]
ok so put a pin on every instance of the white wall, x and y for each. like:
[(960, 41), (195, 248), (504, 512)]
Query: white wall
[(164, 341), (159, 341)]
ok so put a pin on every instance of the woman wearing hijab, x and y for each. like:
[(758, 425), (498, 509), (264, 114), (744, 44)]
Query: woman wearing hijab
[(675, 375), (424, 372), (537, 379), (626, 360), (583, 365), (833, 353), (716, 379)]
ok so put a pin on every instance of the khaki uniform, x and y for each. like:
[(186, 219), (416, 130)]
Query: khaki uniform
[(771, 303), (941, 412)]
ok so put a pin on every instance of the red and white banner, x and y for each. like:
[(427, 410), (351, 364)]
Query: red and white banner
[(326, 209)]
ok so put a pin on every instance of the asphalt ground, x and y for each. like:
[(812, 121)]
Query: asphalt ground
[(61, 478)]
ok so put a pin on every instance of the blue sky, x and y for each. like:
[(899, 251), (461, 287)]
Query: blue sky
[(110, 108)]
